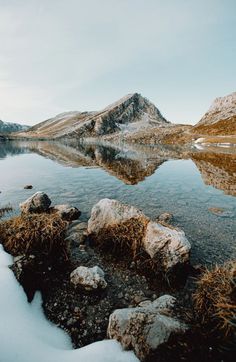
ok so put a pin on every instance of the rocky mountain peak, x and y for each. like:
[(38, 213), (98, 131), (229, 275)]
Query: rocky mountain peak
[(222, 108), (130, 113)]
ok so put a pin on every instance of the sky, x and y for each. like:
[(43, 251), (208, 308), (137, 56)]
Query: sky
[(64, 55)]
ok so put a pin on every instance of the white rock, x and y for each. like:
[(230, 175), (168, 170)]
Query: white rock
[(88, 278), (108, 212), (168, 243), (144, 329), (39, 202)]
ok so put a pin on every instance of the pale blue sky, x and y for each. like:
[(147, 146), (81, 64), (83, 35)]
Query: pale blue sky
[(60, 55)]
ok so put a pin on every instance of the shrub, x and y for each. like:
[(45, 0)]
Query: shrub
[(215, 298), (38, 234)]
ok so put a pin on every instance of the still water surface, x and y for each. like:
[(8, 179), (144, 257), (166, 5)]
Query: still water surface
[(184, 183)]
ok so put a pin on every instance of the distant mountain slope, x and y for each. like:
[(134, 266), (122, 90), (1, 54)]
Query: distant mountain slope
[(131, 113), (220, 119), (7, 127)]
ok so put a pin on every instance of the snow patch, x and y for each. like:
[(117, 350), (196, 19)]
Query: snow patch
[(27, 336)]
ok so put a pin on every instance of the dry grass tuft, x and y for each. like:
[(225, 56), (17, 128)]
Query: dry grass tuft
[(37, 234), (215, 297), (126, 240), (126, 237)]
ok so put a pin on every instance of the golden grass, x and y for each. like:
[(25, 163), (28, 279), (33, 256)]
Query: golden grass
[(124, 237), (215, 297), (221, 127), (38, 234), (126, 240)]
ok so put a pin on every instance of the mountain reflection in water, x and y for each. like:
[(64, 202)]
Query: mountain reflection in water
[(133, 163)]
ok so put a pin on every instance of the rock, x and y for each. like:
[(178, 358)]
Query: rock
[(28, 187), (165, 217), (88, 278), (67, 212), (77, 232), (114, 222), (39, 202), (145, 328), (165, 243), (108, 212)]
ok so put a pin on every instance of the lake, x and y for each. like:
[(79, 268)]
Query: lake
[(198, 186)]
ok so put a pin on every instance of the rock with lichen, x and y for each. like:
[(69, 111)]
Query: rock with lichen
[(145, 328), (88, 278), (39, 202)]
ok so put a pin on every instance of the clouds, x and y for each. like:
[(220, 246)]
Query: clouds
[(59, 55)]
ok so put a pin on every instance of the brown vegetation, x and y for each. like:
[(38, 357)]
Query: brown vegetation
[(222, 127), (215, 298), (38, 234), (122, 238)]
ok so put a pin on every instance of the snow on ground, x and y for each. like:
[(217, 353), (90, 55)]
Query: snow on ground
[(27, 336)]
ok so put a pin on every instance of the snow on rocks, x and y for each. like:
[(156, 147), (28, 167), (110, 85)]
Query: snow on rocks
[(121, 223), (88, 278), (67, 212), (39, 202), (146, 327), (26, 335)]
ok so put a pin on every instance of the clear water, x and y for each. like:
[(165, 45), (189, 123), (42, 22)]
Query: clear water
[(153, 179)]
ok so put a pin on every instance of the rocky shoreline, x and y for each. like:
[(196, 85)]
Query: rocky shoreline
[(121, 276)]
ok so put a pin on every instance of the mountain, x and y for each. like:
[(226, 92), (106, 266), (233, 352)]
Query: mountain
[(131, 113), (6, 127), (220, 119)]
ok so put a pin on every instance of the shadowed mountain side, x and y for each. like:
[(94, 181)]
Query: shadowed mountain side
[(218, 170)]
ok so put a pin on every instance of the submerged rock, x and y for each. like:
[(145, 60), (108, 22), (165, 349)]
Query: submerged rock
[(146, 327), (67, 212), (88, 278), (39, 202), (165, 217), (28, 187), (120, 224)]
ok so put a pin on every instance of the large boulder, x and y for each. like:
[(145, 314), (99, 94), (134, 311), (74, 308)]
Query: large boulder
[(145, 328), (116, 224), (108, 212), (168, 244), (67, 212), (88, 278), (39, 202)]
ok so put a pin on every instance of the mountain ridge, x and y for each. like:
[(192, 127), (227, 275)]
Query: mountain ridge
[(129, 113), (9, 127), (220, 119)]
